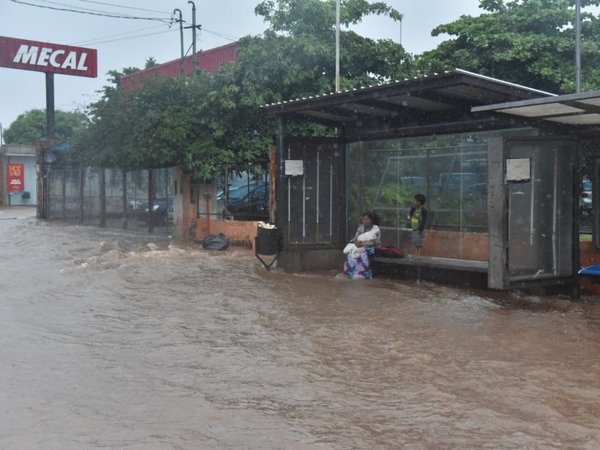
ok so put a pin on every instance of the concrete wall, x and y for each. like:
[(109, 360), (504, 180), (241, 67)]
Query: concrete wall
[(314, 260), (239, 232), (185, 205), (446, 244)]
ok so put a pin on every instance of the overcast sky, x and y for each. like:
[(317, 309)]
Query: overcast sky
[(127, 42)]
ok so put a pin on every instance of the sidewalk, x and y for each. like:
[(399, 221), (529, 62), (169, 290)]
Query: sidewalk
[(17, 212)]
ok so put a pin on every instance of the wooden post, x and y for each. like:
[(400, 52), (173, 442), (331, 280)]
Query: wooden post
[(124, 197), (102, 221), (151, 194), (81, 194)]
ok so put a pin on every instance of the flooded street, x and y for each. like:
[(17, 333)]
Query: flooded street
[(115, 341)]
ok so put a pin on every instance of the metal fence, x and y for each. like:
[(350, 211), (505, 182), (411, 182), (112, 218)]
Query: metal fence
[(590, 153), (137, 199)]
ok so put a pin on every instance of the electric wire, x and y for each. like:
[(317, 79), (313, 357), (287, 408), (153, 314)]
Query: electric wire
[(125, 35), (223, 35), (121, 6), (120, 36), (108, 40), (111, 15), (72, 6)]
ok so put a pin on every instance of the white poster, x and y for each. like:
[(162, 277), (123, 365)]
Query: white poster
[(518, 169), (294, 167)]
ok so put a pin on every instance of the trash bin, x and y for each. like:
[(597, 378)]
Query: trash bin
[(267, 241)]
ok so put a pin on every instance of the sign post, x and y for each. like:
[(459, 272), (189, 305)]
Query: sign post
[(50, 59)]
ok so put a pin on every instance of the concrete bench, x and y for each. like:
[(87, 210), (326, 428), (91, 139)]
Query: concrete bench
[(430, 268)]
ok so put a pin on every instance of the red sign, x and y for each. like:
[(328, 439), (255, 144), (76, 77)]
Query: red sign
[(46, 57), (15, 178)]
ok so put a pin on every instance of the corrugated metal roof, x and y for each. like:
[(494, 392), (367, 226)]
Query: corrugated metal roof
[(208, 60), (409, 102), (581, 109)]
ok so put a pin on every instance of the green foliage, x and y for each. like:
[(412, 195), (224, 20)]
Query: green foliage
[(29, 127), (212, 122), (530, 42)]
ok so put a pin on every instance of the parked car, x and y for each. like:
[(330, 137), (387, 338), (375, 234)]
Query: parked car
[(249, 202), (162, 209), (585, 198)]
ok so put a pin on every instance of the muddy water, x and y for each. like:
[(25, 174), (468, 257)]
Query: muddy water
[(114, 341)]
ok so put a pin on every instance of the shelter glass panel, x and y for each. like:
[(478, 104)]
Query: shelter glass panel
[(450, 170), (540, 213)]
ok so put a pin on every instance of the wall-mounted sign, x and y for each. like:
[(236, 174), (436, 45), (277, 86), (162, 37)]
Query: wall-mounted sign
[(518, 169), (15, 178), (294, 167), (46, 57)]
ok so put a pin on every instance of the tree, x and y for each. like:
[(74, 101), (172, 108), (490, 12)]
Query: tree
[(530, 42), (211, 122), (305, 31), (29, 127)]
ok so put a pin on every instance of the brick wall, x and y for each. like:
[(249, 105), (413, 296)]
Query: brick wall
[(239, 232)]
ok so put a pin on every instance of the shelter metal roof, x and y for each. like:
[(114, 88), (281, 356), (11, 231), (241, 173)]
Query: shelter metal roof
[(581, 109), (409, 103)]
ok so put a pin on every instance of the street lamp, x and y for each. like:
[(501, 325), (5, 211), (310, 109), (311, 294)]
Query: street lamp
[(180, 20), (194, 61)]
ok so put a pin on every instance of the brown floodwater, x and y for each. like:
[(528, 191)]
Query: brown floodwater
[(118, 341)]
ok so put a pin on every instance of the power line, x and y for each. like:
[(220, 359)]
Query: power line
[(120, 36), (136, 34), (114, 16), (124, 34), (121, 6), (223, 35), (108, 40), (67, 5)]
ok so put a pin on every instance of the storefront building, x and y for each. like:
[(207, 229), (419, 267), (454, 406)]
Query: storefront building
[(18, 175)]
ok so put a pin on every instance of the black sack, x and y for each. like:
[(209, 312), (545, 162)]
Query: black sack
[(215, 242)]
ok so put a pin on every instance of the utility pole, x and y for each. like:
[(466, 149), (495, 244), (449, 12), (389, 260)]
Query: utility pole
[(180, 20), (337, 46), (194, 62), (401, 31), (578, 46)]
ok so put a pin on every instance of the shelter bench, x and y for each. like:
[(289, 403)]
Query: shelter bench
[(430, 268)]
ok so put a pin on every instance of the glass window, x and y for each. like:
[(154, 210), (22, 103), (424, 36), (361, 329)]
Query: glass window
[(451, 171)]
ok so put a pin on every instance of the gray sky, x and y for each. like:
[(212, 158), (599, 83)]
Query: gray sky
[(124, 42)]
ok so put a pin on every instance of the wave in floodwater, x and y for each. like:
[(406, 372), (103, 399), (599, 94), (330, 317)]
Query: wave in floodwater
[(113, 340)]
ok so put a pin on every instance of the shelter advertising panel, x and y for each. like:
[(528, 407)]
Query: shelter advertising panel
[(15, 178), (47, 57)]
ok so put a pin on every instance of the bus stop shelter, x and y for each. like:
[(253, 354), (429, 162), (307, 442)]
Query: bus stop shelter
[(498, 162)]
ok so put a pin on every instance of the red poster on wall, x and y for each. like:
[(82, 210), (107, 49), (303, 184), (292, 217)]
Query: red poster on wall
[(15, 178)]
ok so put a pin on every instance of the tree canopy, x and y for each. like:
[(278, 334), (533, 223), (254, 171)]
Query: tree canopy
[(209, 122), (530, 42), (30, 126)]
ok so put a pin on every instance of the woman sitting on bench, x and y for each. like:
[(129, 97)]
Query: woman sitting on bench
[(357, 252)]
